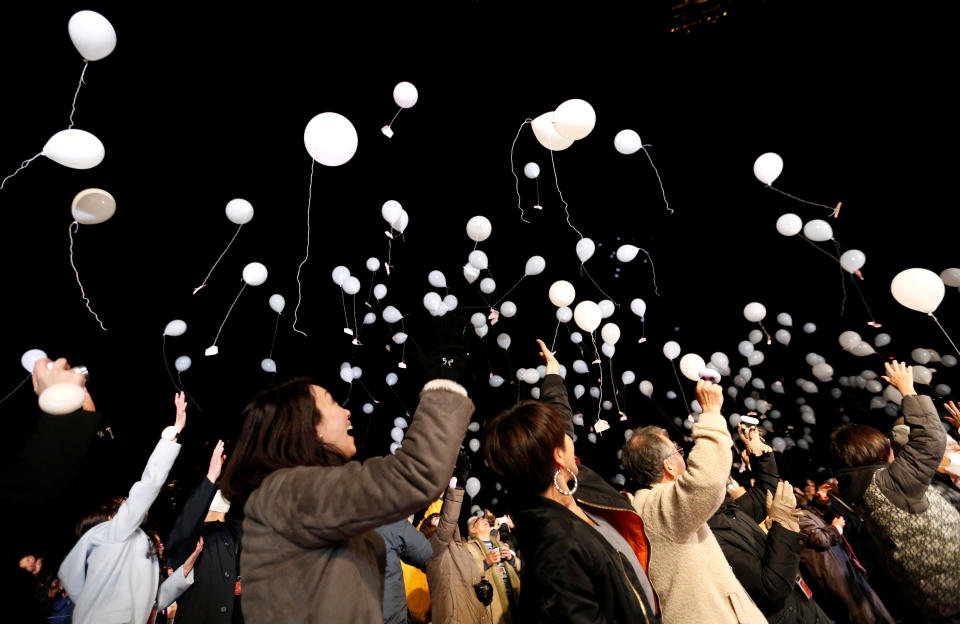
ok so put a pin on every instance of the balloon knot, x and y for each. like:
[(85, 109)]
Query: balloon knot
[(836, 211), (858, 273)]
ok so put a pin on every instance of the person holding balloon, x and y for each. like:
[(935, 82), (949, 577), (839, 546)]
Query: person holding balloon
[(586, 549), (309, 549)]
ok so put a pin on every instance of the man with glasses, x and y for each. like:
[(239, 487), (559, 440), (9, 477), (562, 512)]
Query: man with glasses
[(675, 499)]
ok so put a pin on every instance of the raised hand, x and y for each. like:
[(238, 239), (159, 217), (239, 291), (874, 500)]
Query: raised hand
[(751, 438), (553, 366), (900, 376), (709, 396), (180, 400), (954, 417), (216, 462), (45, 375), (192, 559), (782, 506)]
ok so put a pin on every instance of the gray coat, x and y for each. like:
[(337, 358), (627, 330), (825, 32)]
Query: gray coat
[(310, 552), (404, 543)]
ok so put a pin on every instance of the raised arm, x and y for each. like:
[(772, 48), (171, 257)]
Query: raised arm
[(145, 491), (449, 514), (186, 529), (314, 506), (553, 390), (764, 467), (914, 468), (682, 506), (180, 581)]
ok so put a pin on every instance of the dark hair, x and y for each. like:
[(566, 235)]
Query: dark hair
[(103, 512), (518, 444), (858, 445), (279, 431), (643, 455), (426, 527)]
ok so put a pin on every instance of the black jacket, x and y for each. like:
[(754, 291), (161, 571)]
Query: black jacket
[(766, 565), (212, 597), (571, 573)]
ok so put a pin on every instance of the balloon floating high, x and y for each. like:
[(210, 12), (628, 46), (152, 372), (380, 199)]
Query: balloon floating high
[(405, 95), (240, 212), (628, 142), (768, 167), (330, 139), (254, 274)]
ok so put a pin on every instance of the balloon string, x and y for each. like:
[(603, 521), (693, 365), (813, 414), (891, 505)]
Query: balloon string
[(843, 277), (566, 207), (686, 406), (513, 170), (356, 327), (662, 192), (23, 166), (395, 117), (765, 332), (228, 313), (197, 289), (930, 314), (72, 228), (73, 107), (653, 269), (864, 300), (192, 400), (596, 353), (10, 394), (584, 270), (613, 382), (343, 302), (555, 332), (508, 292), (830, 208), (273, 342), (536, 181), (166, 364), (307, 255)]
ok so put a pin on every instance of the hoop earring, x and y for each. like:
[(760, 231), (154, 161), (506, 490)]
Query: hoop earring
[(556, 482)]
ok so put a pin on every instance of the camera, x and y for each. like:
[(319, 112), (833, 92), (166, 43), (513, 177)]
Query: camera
[(484, 591)]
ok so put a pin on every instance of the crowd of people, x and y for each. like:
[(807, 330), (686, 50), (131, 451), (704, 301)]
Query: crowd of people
[(291, 528)]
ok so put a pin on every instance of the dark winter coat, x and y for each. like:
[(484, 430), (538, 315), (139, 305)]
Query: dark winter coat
[(767, 565), (917, 531), (212, 598), (404, 543)]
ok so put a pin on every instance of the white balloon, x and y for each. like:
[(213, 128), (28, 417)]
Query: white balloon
[(587, 316), (755, 358), (757, 383), (671, 349), (782, 336), (628, 377), (487, 285), (638, 307), (755, 336), (881, 340), (610, 333), (405, 94), (496, 381), (607, 308), (392, 379), (607, 405), (29, 359), (626, 253), (785, 319), (535, 265), (585, 249), (369, 318), (396, 434), (849, 340), (277, 303), (479, 229), (77, 149), (470, 273), (478, 319), (92, 206), (330, 139), (239, 211), (547, 135), (949, 361), (646, 388), (175, 327), (61, 398), (720, 359), (809, 328), (267, 364), (671, 394), (391, 314), (482, 330), (574, 119), (255, 274), (373, 264), (531, 170), (608, 349), (768, 167), (579, 366), (392, 213), (474, 445), (745, 373), (690, 366), (92, 35), (921, 356), (357, 372), (576, 338), (182, 363), (399, 338), (789, 224), (627, 142), (564, 314), (823, 371), (578, 391), (750, 403), (813, 359), (531, 376), (367, 408), (745, 347), (478, 259), (818, 230), (432, 301), (503, 341), (852, 259), (922, 375), (754, 312), (862, 349), (918, 289), (892, 394), (340, 274), (562, 293), (437, 279), (950, 277), (351, 285), (942, 389)]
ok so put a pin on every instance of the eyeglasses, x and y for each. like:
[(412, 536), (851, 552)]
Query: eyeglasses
[(679, 450)]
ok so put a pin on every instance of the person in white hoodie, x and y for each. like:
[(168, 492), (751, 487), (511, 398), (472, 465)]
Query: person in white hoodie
[(112, 573)]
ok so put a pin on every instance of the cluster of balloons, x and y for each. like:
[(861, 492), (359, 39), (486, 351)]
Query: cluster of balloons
[(571, 121)]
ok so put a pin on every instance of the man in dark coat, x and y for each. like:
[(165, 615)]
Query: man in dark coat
[(404, 543), (215, 594)]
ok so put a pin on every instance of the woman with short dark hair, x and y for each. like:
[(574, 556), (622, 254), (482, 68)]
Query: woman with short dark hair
[(917, 530), (585, 548), (309, 549)]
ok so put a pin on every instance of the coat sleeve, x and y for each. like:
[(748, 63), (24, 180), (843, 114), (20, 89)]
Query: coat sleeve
[(773, 579), (914, 468), (186, 530), (566, 594), (315, 506), (415, 549), (73, 569), (173, 587), (754, 502), (681, 507), (449, 514), (554, 392), (820, 537), (142, 494)]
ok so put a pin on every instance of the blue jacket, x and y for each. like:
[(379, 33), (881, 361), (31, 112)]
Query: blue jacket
[(404, 543)]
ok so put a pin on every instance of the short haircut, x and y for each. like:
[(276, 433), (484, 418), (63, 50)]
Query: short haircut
[(426, 527), (858, 445), (518, 445), (643, 455)]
